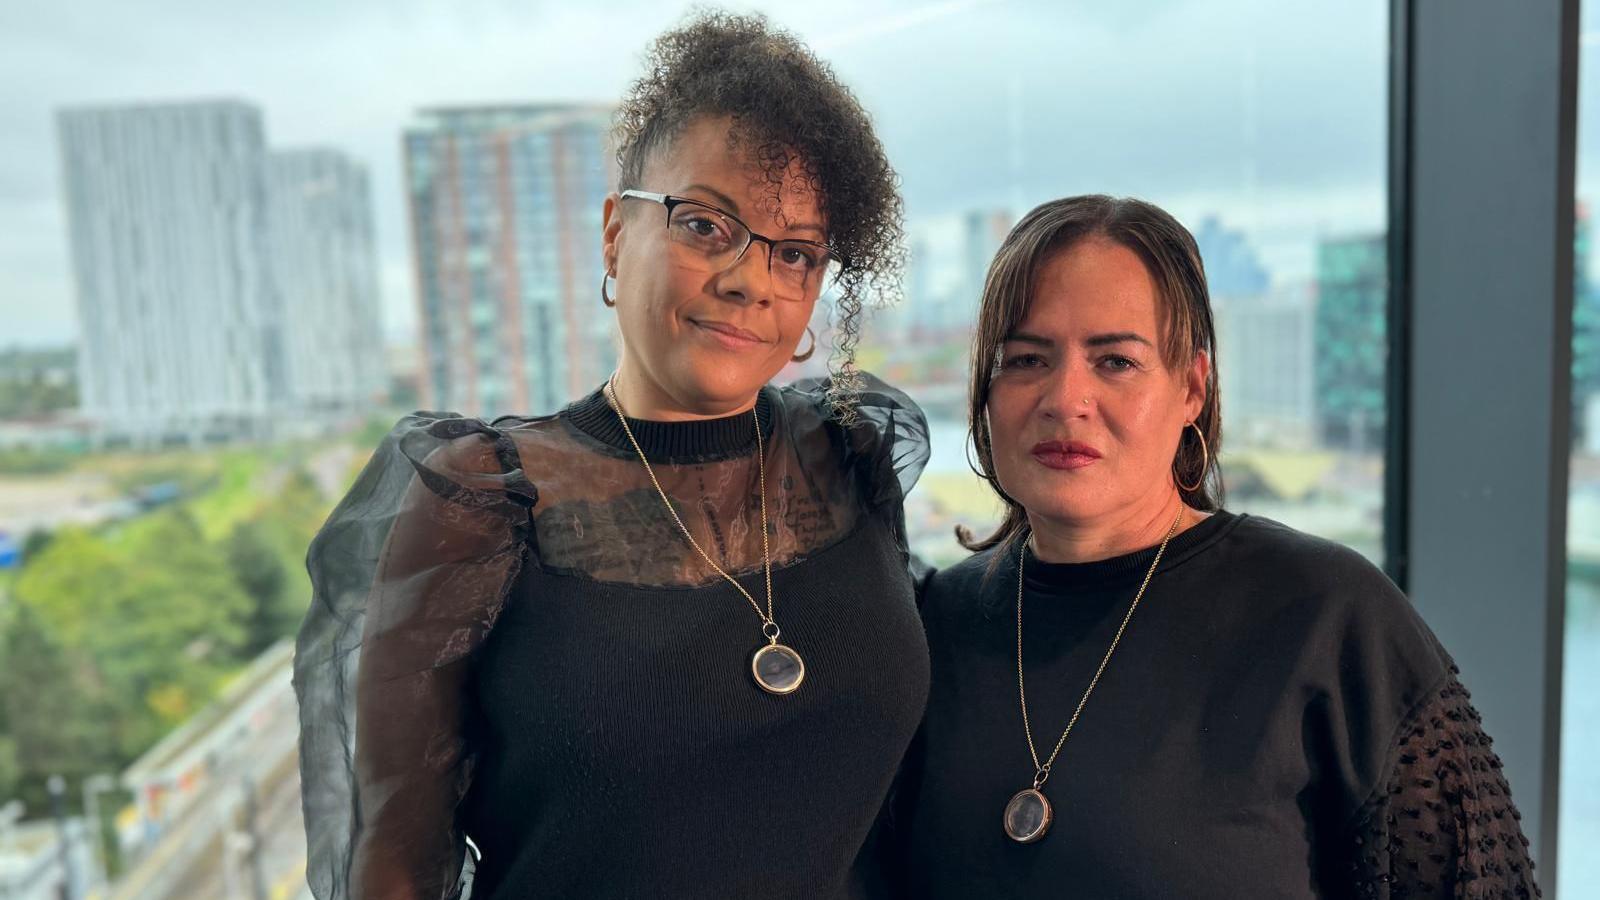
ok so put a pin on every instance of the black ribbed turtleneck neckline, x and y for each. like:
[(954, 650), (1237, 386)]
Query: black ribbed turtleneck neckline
[(1060, 578), (693, 440)]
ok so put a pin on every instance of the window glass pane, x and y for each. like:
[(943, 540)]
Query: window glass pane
[(1579, 874), (1261, 126), (196, 294)]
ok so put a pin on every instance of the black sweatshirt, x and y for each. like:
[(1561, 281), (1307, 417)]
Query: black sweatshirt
[(1276, 722)]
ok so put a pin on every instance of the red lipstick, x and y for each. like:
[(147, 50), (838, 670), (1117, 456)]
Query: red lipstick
[(1064, 454)]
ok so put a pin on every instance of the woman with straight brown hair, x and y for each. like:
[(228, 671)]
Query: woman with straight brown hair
[(1139, 694)]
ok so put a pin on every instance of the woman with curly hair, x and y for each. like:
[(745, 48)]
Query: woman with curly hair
[(664, 642)]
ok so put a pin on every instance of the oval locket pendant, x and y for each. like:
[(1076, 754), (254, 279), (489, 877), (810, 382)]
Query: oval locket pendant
[(1028, 816), (778, 669)]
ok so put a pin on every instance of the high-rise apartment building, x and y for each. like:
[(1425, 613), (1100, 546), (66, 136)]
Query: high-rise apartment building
[(505, 207)]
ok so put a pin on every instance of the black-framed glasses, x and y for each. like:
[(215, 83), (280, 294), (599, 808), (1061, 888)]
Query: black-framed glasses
[(800, 270)]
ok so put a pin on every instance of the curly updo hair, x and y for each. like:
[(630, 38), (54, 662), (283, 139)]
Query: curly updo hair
[(786, 105)]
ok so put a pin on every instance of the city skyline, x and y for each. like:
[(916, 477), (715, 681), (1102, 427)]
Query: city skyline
[(935, 287), (1237, 138), (227, 283), (500, 199)]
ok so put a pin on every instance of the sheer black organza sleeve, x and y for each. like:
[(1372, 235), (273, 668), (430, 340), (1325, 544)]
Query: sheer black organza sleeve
[(409, 574), (886, 447), (886, 442), (1444, 826)]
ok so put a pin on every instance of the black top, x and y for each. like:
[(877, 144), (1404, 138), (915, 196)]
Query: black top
[(1276, 722), (548, 669)]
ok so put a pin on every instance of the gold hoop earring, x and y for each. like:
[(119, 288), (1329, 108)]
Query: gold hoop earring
[(802, 357), (1205, 462), (605, 297)]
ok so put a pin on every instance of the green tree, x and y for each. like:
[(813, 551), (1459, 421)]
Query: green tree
[(34, 395), (293, 517), (71, 583), (154, 610), (186, 614), (54, 712), (259, 568), (34, 543)]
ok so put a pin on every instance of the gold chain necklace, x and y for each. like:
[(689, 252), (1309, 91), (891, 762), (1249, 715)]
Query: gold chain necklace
[(777, 669), (1028, 813)]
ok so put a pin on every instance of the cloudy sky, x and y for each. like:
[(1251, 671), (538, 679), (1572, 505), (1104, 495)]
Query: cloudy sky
[(1268, 113)]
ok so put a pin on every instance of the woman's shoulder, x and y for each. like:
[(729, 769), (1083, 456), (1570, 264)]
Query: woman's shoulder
[(1342, 598), (879, 430), (1246, 545), (965, 584), (1268, 547), (855, 400), (455, 455)]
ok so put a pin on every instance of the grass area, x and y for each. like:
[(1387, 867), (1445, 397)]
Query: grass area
[(235, 496), (30, 462)]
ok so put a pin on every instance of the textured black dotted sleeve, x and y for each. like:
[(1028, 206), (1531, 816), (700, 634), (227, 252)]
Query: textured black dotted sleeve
[(1445, 825)]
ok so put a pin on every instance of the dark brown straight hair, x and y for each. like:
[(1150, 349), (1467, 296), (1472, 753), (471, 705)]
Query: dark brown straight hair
[(1171, 256)]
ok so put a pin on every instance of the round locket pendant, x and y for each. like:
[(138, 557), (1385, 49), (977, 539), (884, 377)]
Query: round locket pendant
[(778, 669), (1028, 816)]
